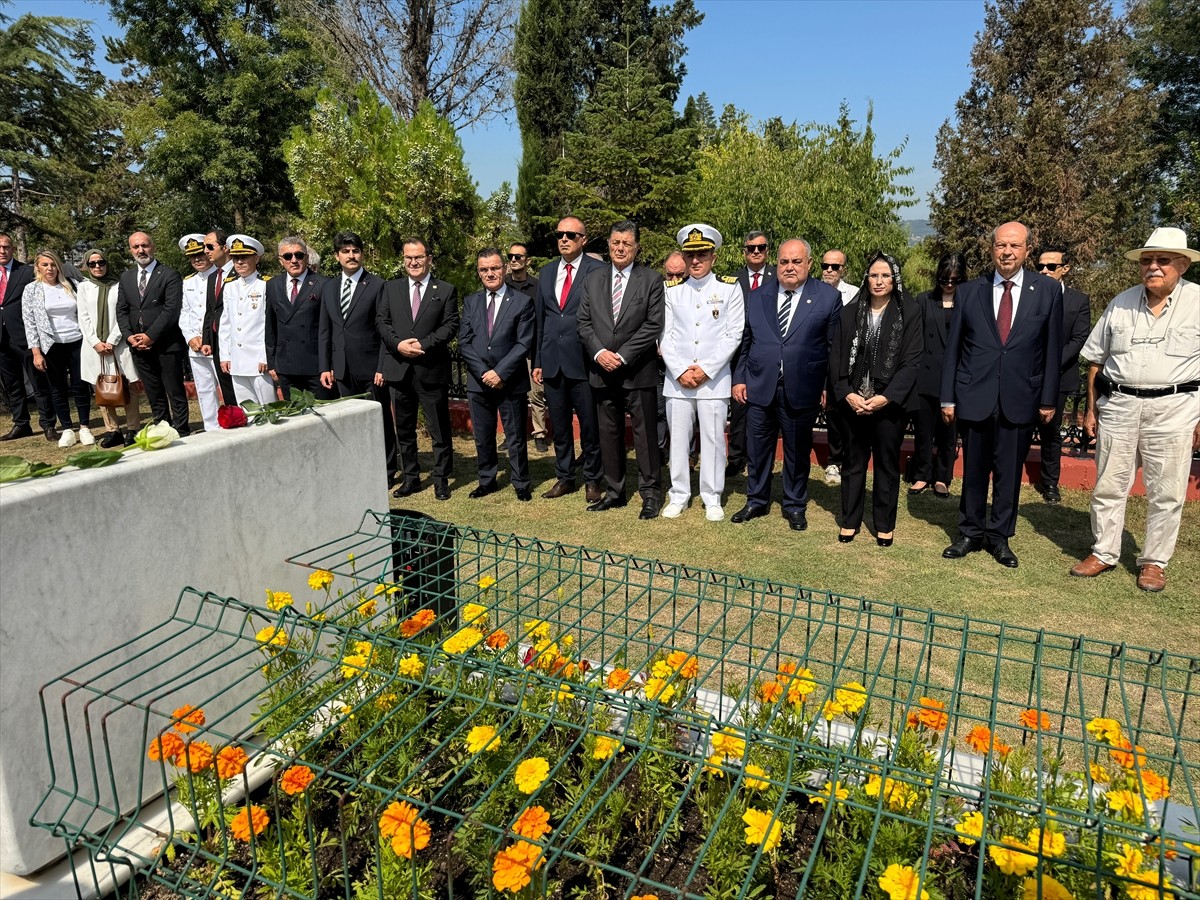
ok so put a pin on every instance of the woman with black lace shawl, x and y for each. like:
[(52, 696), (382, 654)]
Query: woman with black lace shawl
[(877, 346)]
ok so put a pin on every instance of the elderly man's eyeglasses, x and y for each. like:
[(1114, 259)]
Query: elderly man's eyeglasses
[(288, 257), (756, 248), (1161, 261), (96, 263)]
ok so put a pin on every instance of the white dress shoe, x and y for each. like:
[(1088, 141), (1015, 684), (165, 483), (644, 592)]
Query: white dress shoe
[(672, 511)]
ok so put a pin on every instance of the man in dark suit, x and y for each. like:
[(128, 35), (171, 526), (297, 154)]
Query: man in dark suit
[(495, 338), (755, 250), (520, 279), (16, 359), (294, 322), (999, 376), (1077, 324), (559, 364), (149, 300), (349, 350), (620, 321), (214, 308), (417, 319), (782, 368)]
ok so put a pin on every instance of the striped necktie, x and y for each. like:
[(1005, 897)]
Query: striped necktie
[(618, 293), (142, 284), (785, 310), (347, 290)]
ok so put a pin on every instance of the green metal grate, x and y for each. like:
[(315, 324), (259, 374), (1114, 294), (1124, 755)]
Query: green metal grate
[(818, 687)]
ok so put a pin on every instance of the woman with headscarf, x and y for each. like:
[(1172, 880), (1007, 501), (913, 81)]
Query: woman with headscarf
[(103, 351), (51, 318), (876, 352), (931, 432)]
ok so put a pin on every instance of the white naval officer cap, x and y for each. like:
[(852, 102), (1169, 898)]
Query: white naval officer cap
[(699, 237), (243, 245), (192, 244)]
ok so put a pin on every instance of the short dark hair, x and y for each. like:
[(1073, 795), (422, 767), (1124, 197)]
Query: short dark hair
[(347, 239), (520, 244), (624, 227), (416, 240), (221, 234), (751, 235), (488, 251), (1056, 248)]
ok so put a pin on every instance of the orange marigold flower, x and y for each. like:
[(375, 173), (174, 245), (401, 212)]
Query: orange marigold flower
[(1154, 786), (167, 747), (686, 665), (618, 679), (296, 780), (770, 691), (411, 836), (197, 755), (786, 671), (497, 640), (1123, 754), (1034, 720), (930, 714), (644, 897), (250, 820), (231, 762), (512, 867), (398, 815), (979, 739), (533, 823), (187, 719), (417, 622)]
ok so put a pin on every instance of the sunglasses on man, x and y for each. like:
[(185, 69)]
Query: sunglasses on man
[(831, 267), (755, 248), (1049, 267), (569, 235), (521, 255), (288, 257)]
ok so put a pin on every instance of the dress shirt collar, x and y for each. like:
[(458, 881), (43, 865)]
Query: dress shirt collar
[(354, 279), (149, 268), (424, 283), (623, 272), (1018, 280)]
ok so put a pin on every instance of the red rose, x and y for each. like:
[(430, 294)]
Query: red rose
[(232, 417)]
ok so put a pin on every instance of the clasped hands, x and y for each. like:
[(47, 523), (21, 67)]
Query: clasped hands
[(864, 406), (692, 377)]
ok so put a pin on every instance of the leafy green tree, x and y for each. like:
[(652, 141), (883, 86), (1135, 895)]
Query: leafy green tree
[(1167, 56), (358, 167), (824, 183), (1052, 131)]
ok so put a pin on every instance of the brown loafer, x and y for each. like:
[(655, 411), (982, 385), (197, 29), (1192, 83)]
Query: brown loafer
[(1152, 578), (559, 489), (594, 494), (1090, 567)]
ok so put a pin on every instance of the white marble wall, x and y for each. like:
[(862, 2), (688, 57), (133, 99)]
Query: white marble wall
[(91, 559)]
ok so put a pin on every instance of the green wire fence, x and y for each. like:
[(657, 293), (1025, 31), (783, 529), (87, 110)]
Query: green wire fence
[(462, 713)]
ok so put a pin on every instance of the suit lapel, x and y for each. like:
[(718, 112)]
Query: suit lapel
[(1030, 294), (803, 307), (503, 311), (985, 305)]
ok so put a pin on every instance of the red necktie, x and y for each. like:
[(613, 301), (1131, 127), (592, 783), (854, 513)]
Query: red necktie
[(295, 289), (1004, 316), (754, 283), (562, 302), (220, 276), (3, 283)]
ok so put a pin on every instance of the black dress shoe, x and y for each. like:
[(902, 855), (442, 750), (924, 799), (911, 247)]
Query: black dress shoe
[(184, 431), (797, 521), (608, 503), (560, 489), (112, 439), (524, 495), (17, 432), (1051, 495), (1003, 554), (734, 468), (541, 445), (130, 438), (962, 547), (51, 433), (441, 490), (593, 493), (650, 508), (407, 489), (483, 490), (746, 513)]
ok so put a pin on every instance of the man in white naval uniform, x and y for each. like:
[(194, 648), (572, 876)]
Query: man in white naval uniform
[(243, 327), (191, 323), (705, 315)]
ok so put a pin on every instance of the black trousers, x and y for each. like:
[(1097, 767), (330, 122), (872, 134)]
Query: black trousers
[(161, 372), (567, 398), (764, 425), (993, 449), (407, 398), (15, 366), (513, 410), (62, 371), (837, 429), (352, 387), (310, 383), (935, 444), (611, 405), (875, 438), (1051, 440), (224, 379), (737, 434)]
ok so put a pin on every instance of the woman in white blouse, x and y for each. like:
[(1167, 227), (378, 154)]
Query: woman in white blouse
[(102, 349), (51, 317)]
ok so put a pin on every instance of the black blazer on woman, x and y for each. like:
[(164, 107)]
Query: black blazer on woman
[(929, 378), (901, 389)]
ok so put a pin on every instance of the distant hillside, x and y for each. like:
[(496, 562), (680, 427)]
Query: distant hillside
[(917, 229)]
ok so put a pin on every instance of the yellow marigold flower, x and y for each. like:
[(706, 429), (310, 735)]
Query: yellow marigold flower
[(320, 580), (832, 790), (533, 823), (800, 686), (970, 828), (462, 640), (1149, 884), (713, 766), (544, 655), (1050, 889), (277, 600), (1154, 786), (1107, 730), (353, 665), (538, 628), (196, 755), (660, 690), (563, 694), (231, 762), (497, 640), (930, 714), (417, 622), (367, 608), (755, 778), (486, 582), (531, 773), (272, 637), (187, 719), (1011, 861), (387, 589), (606, 747), (762, 828), (770, 691), (296, 780), (896, 794), (618, 679), (1127, 861), (1049, 843), (660, 669), (411, 666), (1098, 773), (385, 701), (1034, 720), (685, 665), (474, 614), (250, 820), (852, 697), (167, 747), (728, 744), (364, 648), (568, 641), (1124, 753), (901, 883), (830, 709), (1126, 801), (482, 737), (512, 867), (411, 837)]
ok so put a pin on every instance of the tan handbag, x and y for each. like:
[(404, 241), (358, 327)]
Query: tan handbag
[(111, 388)]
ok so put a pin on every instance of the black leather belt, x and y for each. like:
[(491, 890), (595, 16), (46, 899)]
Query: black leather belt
[(1157, 392)]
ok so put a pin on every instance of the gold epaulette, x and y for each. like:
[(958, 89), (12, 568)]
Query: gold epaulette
[(675, 281), (727, 279), (266, 277), (232, 276)]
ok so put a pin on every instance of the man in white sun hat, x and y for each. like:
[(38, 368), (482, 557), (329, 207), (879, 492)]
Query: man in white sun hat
[(1144, 405)]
